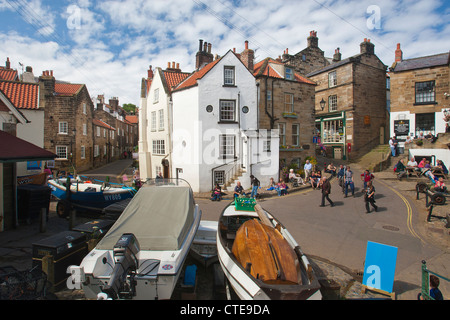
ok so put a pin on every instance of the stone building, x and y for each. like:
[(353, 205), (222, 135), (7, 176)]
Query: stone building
[(420, 94), (68, 118), (350, 103), (103, 135), (286, 102)]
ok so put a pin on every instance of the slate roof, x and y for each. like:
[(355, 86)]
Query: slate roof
[(423, 62)]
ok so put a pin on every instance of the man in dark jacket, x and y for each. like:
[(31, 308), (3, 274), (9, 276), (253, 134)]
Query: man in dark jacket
[(326, 190)]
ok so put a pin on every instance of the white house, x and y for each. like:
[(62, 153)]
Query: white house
[(215, 128), (155, 121)]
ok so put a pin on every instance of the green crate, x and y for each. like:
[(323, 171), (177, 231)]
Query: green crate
[(244, 204)]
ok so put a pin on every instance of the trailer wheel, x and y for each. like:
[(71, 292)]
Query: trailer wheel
[(61, 210), (438, 198), (421, 187)]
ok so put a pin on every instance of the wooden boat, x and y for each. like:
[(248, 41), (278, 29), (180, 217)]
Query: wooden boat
[(142, 255), (87, 195), (260, 258)]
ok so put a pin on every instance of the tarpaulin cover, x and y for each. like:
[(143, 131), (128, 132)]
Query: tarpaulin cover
[(159, 217)]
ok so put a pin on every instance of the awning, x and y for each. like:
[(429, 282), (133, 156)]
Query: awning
[(13, 149)]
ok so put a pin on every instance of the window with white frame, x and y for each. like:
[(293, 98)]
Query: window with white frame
[(227, 110), (228, 72), (158, 170), (161, 119), (104, 150), (219, 177), (269, 95), (96, 151), (226, 146), (104, 133), (158, 147), (333, 131), (98, 131), (84, 108), (288, 102), (332, 79), (332, 103), (153, 124), (289, 74), (266, 146), (282, 129), (156, 95), (83, 152), (112, 135), (63, 127), (84, 129), (425, 92), (296, 134), (61, 152)]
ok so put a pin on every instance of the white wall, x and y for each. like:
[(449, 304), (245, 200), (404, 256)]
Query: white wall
[(439, 154)]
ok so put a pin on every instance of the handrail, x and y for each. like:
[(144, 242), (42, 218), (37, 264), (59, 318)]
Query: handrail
[(213, 169), (233, 170), (425, 292)]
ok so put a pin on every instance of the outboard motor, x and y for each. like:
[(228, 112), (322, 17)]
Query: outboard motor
[(126, 264)]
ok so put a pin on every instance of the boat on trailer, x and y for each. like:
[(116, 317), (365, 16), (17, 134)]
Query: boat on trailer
[(142, 255), (260, 258), (87, 195)]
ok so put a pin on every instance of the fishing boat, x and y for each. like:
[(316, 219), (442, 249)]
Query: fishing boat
[(260, 258), (142, 255), (87, 195)]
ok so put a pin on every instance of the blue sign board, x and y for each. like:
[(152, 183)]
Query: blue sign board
[(33, 165), (379, 266)]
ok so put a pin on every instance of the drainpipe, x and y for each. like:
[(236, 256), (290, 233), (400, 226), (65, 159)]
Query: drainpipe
[(272, 120)]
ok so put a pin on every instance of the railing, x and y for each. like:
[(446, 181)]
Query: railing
[(235, 161), (426, 281), (230, 174)]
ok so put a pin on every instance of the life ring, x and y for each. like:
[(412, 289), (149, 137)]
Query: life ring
[(87, 181)]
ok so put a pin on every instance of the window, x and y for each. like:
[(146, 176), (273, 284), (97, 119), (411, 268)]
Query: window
[(84, 108), (296, 134), (158, 170), (227, 110), (332, 79), (96, 151), (269, 95), (158, 147), (84, 129), (104, 150), (98, 132), (63, 128), (153, 128), (226, 146), (266, 146), (282, 129), (288, 102), (219, 177), (104, 133), (425, 92), (161, 119), (333, 131), (156, 95), (303, 57), (425, 122), (83, 152), (112, 134), (228, 73), (332, 103), (61, 152), (289, 74)]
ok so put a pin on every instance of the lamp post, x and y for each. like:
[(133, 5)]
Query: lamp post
[(74, 131), (322, 104)]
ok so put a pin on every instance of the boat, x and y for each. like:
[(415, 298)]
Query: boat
[(204, 246), (143, 253), (87, 195), (260, 258)]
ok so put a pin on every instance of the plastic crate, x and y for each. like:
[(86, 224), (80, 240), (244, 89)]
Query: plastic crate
[(244, 204)]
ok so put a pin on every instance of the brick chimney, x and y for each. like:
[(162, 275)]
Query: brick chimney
[(313, 41), (8, 63), (150, 73), (204, 55), (367, 47), (398, 54), (47, 83), (114, 103), (174, 67), (337, 55), (248, 57)]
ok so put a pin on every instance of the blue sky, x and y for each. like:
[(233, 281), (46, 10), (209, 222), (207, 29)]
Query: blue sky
[(109, 45)]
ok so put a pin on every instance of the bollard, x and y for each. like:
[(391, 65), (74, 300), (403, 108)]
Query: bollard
[(72, 219), (43, 217)]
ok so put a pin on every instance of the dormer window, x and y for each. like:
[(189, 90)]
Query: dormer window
[(228, 76), (289, 74)]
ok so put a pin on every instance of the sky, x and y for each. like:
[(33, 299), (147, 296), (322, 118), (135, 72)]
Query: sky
[(109, 45)]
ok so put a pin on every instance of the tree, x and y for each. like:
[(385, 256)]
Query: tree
[(129, 108)]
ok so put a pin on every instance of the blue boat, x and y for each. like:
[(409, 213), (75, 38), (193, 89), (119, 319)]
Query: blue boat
[(87, 195)]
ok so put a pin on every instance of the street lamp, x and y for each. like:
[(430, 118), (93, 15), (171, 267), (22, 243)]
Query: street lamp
[(74, 131), (322, 104)]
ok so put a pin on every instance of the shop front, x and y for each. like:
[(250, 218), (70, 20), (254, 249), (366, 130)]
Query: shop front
[(331, 132)]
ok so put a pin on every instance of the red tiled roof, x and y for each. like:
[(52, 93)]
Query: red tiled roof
[(132, 119), (192, 80), (8, 74), (67, 89), (102, 124), (16, 149), (174, 78), (22, 95), (263, 68)]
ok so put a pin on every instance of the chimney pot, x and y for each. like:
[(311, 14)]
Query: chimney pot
[(168, 65), (178, 66), (201, 45), (398, 54), (246, 44), (173, 64), (8, 63), (209, 47)]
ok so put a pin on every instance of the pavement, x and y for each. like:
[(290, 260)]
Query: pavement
[(339, 282)]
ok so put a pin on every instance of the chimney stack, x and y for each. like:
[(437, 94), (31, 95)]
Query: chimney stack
[(313, 41), (47, 83), (8, 64), (204, 55), (150, 73), (398, 54), (337, 55), (367, 47), (28, 75), (247, 57)]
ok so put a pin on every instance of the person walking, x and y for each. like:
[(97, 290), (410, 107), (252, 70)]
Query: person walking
[(326, 190), (308, 169), (366, 177), (392, 146), (369, 197), (348, 180), (255, 185)]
